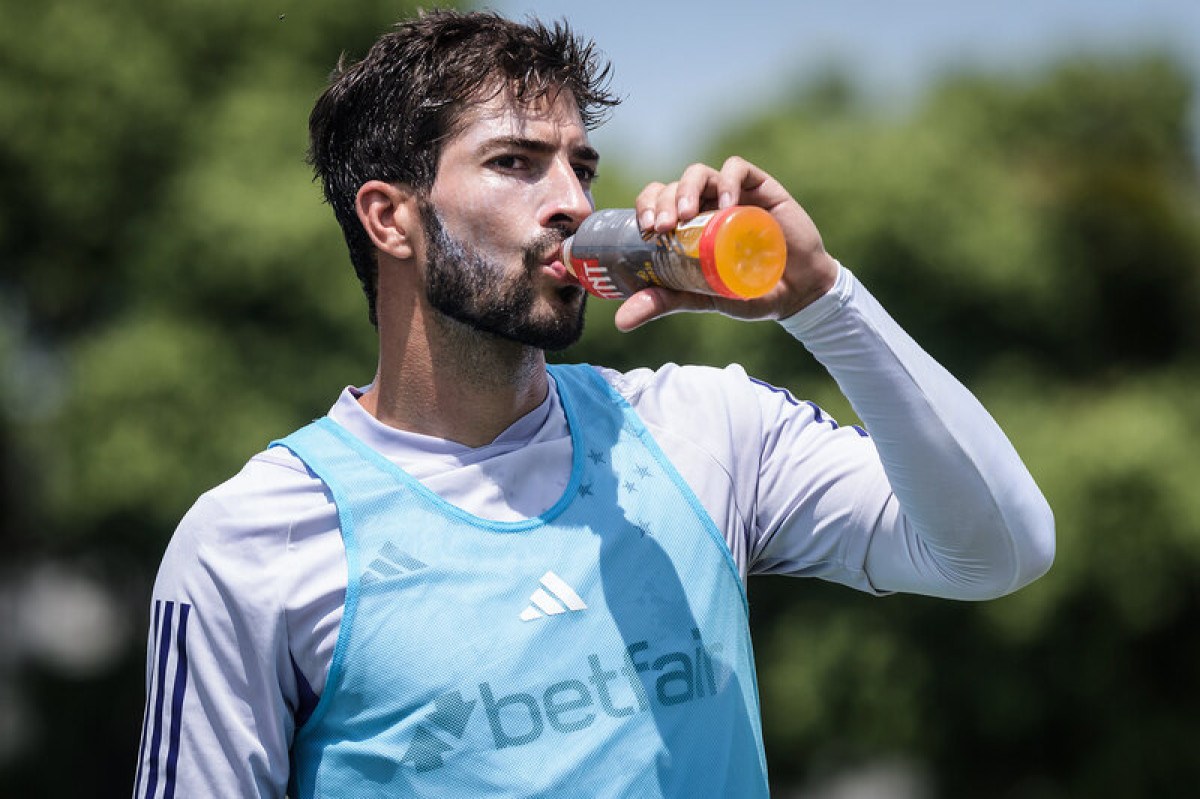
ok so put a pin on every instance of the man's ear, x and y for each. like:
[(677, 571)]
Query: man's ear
[(390, 215)]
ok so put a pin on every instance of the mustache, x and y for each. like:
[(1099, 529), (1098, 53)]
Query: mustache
[(543, 246)]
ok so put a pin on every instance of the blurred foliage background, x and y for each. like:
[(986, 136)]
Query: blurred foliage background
[(173, 295)]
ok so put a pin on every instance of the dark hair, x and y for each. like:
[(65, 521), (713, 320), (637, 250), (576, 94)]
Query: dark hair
[(388, 116)]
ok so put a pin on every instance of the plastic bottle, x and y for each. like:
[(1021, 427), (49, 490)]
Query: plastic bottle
[(734, 252)]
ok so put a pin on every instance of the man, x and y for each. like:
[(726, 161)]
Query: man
[(481, 577)]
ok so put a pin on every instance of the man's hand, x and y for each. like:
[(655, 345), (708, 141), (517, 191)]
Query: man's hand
[(810, 271)]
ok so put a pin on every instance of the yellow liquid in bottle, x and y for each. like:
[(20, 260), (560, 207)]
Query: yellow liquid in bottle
[(687, 235)]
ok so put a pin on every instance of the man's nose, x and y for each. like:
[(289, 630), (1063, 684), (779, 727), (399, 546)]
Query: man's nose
[(568, 203)]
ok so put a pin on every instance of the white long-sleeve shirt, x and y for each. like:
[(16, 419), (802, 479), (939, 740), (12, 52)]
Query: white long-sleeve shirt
[(248, 601)]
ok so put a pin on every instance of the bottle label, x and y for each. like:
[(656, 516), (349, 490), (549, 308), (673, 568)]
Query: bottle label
[(596, 278), (613, 259)]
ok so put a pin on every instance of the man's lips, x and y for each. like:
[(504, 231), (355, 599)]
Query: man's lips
[(553, 264)]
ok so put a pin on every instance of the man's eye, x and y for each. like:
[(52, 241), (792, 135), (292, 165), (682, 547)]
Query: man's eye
[(510, 162), (586, 174)]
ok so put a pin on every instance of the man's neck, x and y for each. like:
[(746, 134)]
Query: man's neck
[(455, 382)]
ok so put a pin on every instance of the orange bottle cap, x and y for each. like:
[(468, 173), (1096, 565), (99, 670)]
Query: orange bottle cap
[(743, 252)]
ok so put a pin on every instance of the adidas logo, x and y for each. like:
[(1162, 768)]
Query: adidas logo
[(391, 562), (552, 597)]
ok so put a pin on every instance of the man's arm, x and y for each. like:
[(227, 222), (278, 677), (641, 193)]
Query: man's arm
[(958, 514), (221, 691), (961, 516)]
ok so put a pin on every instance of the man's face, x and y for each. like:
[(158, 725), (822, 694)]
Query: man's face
[(466, 284), (512, 184)]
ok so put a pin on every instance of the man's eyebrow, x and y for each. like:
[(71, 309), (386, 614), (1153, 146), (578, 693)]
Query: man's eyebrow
[(539, 146)]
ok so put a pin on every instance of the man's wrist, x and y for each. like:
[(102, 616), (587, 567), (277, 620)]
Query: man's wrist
[(820, 308)]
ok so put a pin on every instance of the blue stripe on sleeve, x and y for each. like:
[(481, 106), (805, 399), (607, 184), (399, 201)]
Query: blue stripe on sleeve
[(137, 780), (818, 414), (169, 636), (164, 651), (181, 670), (787, 395)]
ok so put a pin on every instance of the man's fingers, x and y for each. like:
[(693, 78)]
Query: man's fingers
[(662, 206), (656, 207), (697, 191), (747, 184), (646, 204), (736, 176)]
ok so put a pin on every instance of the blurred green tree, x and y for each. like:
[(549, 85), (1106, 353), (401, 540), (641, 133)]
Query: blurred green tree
[(174, 295)]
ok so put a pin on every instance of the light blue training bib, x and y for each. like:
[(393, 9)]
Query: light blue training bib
[(599, 650)]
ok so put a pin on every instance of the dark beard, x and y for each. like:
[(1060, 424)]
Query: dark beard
[(470, 287)]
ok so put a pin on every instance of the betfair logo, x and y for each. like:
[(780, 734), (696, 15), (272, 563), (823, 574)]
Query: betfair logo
[(450, 715), (571, 705), (553, 597)]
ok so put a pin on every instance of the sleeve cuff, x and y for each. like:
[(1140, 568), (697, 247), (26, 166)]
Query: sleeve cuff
[(825, 306)]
